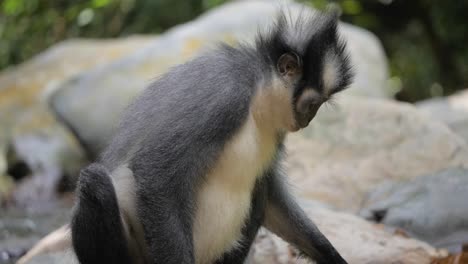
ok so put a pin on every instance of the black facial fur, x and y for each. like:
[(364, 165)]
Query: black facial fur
[(319, 35)]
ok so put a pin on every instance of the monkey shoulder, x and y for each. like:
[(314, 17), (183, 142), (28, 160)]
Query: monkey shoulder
[(185, 118)]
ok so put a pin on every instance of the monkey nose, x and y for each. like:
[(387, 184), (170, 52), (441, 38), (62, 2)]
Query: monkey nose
[(305, 106), (312, 115), (311, 108), (305, 118)]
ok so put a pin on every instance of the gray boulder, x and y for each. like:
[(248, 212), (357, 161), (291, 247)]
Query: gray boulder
[(370, 244), (452, 110), (358, 143), (30, 135), (92, 102), (20, 230), (433, 208), (358, 241)]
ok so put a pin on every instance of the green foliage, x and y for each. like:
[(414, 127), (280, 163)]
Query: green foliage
[(29, 26), (212, 3), (425, 40)]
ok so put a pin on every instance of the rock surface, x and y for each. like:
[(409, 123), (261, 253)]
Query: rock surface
[(370, 243), (433, 208), (92, 102), (452, 110), (19, 230), (358, 241), (358, 143), (29, 131)]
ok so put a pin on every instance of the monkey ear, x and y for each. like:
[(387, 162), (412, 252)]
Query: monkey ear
[(289, 64)]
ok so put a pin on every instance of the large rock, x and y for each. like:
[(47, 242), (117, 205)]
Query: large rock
[(358, 241), (92, 102), (433, 208), (452, 110), (25, 86), (20, 230), (30, 135), (358, 143)]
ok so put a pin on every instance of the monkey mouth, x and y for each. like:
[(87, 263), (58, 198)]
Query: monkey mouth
[(303, 121), (303, 118)]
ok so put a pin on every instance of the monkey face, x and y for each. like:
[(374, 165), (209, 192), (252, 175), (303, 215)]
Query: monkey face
[(317, 73)]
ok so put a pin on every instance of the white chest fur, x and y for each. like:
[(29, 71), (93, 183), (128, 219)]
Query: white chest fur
[(223, 201)]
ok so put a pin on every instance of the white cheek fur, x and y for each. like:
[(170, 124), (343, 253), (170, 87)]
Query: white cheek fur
[(330, 74)]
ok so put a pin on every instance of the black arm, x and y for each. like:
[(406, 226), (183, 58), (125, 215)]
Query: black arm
[(284, 217)]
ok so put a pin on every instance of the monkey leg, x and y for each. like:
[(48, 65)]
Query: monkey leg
[(98, 233), (167, 227)]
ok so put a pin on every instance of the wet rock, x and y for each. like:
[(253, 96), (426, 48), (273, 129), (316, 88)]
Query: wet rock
[(357, 240), (50, 156), (356, 144), (433, 208), (452, 110), (40, 153), (92, 102), (19, 229), (29, 131)]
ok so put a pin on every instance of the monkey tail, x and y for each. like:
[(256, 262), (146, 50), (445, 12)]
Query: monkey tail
[(98, 234)]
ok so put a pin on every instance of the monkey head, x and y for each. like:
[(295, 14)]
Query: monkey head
[(311, 62)]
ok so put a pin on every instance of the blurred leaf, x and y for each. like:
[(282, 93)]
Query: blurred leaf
[(12, 7), (85, 17), (420, 37), (318, 4), (351, 7), (100, 3), (212, 3)]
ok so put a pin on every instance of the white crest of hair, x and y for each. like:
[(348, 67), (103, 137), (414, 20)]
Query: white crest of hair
[(299, 23), (330, 72), (297, 26)]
